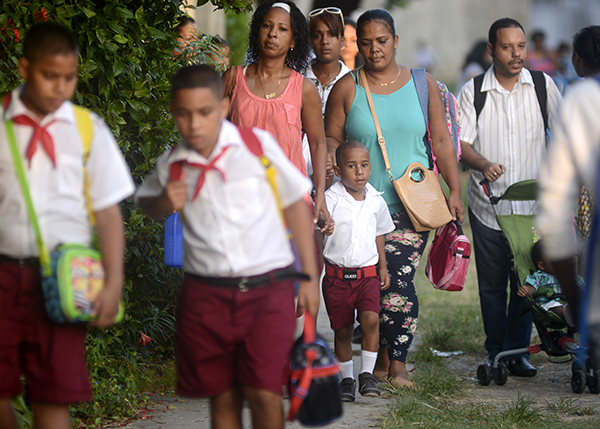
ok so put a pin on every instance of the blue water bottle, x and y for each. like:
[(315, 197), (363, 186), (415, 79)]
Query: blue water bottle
[(174, 241)]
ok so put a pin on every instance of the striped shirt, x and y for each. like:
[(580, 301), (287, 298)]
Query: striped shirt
[(510, 131)]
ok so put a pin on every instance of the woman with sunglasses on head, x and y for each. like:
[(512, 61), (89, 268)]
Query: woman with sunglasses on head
[(348, 116), (270, 92)]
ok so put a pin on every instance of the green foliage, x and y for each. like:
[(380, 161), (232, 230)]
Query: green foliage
[(237, 37)]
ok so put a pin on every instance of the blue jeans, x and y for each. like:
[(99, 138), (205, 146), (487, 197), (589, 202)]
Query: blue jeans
[(505, 329)]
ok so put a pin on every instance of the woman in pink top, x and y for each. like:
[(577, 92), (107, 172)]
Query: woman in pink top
[(270, 92)]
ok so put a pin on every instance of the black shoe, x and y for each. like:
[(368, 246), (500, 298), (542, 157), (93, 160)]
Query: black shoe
[(348, 386), (521, 367), (367, 385), (357, 336)]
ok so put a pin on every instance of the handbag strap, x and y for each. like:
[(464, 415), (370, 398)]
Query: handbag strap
[(39, 241), (380, 138)]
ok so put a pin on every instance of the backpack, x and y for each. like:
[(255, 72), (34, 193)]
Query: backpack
[(539, 82), (314, 380), (448, 258), (450, 107)]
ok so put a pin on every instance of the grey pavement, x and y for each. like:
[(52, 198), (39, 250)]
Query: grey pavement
[(174, 412)]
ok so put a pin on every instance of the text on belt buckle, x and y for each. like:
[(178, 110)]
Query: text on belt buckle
[(243, 285), (350, 274)]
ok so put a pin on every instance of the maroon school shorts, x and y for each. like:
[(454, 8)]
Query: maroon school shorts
[(343, 296), (227, 338), (51, 356)]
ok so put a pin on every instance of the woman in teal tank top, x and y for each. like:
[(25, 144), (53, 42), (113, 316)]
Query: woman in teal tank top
[(348, 117)]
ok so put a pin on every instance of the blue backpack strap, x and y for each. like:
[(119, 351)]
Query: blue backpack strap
[(478, 96), (420, 80)]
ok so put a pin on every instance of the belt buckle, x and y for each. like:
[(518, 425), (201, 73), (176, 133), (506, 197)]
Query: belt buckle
[(243, 285), (350, 274)]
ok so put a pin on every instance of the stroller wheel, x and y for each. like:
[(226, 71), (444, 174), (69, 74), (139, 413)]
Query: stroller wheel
[(578, 381), (593, 382), (484, 374), (501, 374)]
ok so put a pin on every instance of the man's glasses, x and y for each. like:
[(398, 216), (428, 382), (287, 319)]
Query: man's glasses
[(331, 10)]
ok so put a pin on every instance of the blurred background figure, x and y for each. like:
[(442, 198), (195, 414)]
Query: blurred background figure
[(188, 33), (478, 60), (350, 55), (220, 53), (425, 56), (541, 58)]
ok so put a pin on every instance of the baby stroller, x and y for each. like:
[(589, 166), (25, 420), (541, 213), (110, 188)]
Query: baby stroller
[(519, 233)]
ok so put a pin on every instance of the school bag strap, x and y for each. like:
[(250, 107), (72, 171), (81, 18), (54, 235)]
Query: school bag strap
[(539, 83), (85, 127), (420, 79)]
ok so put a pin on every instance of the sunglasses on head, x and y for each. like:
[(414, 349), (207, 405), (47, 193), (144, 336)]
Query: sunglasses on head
[(331, 10)]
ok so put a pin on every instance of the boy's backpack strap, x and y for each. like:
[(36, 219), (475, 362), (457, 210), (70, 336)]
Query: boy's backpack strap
[(253, 144), (420, 80), (85, 127), (478, 96), (539, 82)]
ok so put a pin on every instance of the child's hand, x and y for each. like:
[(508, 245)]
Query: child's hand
[(308, 298), (384, 279), (106, 306), (526, 290), (176, 194)]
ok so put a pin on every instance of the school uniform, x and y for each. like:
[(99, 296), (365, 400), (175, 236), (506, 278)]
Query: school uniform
[(351, 276), (236, 319), (51, 356)]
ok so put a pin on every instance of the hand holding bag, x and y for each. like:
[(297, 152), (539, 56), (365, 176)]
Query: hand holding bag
[(73, 275), (419, 188), (448, 258)]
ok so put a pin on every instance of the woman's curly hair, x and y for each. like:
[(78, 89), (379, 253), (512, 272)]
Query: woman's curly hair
[(297, 58)]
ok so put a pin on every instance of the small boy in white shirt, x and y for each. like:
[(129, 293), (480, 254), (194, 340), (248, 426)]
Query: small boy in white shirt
[(236, 318), (355, 264)]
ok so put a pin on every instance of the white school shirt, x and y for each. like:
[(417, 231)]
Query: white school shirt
[(510, 131), (233, 228), (57, 193), (357, 224), (573, 160)]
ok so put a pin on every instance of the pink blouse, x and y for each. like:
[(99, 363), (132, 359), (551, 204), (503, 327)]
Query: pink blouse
[(280, 116)]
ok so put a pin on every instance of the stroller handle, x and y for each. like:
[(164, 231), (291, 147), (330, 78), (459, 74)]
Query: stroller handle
[(485, 184)]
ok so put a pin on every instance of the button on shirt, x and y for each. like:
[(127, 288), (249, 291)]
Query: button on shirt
[(233, 227), (510, 131), (57, 193), (357, 224)]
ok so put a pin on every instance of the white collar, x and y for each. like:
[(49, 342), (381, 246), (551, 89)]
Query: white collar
[(338, 188), (17, 107), (491, 82)]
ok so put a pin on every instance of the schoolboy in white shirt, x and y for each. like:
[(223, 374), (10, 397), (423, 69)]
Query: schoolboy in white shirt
[(235, 321), (355, 264), (52, 356)]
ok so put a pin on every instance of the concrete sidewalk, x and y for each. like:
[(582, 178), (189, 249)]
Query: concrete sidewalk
[(173, 412)]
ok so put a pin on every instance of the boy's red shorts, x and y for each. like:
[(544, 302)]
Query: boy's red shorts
[(227, 338), (51, 356), (343, 296)]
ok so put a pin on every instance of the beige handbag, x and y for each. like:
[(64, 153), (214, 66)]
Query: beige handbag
[(419, 188)]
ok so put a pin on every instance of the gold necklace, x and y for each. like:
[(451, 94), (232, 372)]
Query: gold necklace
[(270, 94), (389, 83)]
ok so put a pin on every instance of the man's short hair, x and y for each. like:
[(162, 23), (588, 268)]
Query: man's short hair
[(350, 144), (49, 38), (197, 76), (499, 24)]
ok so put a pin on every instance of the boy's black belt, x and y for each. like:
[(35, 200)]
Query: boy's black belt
[(350, 273), (244, 284), (21, 262)]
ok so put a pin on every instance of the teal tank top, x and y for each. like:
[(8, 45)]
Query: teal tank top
[(403, 127)]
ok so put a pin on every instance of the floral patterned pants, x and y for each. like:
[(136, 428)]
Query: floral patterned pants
[(399, 304)]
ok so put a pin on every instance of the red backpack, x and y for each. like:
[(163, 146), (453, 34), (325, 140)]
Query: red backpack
[(448, 258)]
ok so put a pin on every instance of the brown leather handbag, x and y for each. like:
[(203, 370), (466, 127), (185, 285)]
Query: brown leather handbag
[(419, 188)]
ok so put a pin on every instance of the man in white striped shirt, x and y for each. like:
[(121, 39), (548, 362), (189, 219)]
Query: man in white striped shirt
[(505, 144)]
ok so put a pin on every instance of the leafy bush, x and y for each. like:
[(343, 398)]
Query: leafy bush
[(125, 67)]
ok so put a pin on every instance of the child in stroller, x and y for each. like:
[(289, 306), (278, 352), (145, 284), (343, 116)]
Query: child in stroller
[(543, 286), (520, 237)]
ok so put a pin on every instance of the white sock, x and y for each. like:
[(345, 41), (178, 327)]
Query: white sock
[(346, 369), (368, 360)]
